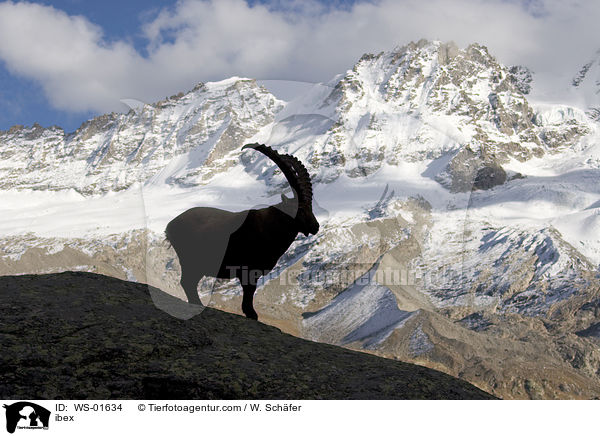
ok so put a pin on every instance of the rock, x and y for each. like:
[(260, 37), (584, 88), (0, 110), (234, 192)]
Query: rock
[(86, 336), (469, 170), (489, 176)]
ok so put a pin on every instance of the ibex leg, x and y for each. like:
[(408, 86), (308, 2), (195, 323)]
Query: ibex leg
[(189, 282), (247, 306)]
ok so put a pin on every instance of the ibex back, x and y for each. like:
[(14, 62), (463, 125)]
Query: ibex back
[(245, 245)]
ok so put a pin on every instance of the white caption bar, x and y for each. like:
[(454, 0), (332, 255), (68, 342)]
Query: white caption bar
[(153, 417)]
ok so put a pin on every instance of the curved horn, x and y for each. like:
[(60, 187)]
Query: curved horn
[(305, 191), (295, 173)]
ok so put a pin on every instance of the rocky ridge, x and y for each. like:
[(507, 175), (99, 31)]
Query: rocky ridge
[(113, 343), (112, 152), (457, 105)]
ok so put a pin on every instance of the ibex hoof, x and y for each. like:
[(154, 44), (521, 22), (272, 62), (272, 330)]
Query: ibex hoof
[(252, 315)]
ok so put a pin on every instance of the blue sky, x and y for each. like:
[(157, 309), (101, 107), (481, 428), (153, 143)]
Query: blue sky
[(62, 62), (22, 100)]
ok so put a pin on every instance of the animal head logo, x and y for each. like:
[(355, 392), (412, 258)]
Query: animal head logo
[(26, 415)]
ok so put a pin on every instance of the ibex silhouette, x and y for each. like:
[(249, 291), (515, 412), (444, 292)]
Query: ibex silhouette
[(218, 243)]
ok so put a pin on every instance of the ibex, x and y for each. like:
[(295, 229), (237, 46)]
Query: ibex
[(245, 245)]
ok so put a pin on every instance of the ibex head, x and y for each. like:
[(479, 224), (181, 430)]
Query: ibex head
[(299, 179)]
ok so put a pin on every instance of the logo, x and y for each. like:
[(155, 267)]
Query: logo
[(26, 415)]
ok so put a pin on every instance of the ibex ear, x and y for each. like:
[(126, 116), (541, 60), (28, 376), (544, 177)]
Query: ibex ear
[(285, 199)]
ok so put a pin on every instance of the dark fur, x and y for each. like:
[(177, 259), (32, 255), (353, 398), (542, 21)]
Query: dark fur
[(245, 245)]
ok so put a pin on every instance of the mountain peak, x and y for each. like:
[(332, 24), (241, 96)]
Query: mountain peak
[(111, 152), (448, 99), (584, 71), (586, 84)]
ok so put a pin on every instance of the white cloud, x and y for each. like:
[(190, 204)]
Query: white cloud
[(293, 40), (66, 55)]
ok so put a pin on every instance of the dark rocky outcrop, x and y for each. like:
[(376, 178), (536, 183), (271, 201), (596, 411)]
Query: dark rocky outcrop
[(77, 335), (469, 170), (489, 176)]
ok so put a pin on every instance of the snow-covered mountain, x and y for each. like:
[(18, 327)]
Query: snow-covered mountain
[(114, 151), (586, 84), (459, 218)]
